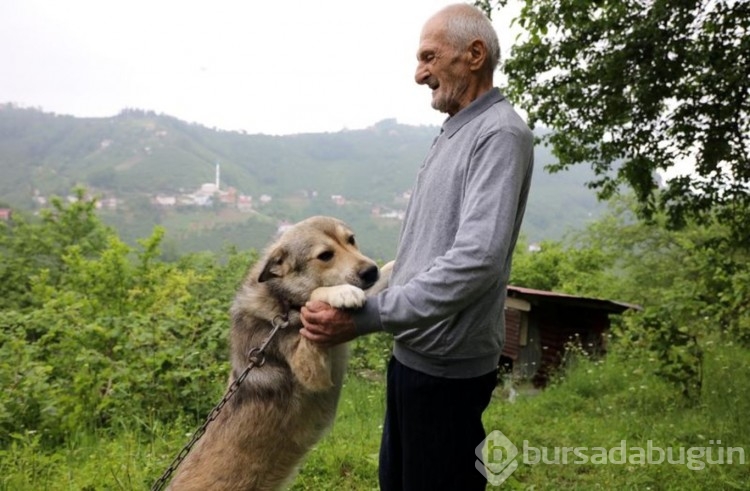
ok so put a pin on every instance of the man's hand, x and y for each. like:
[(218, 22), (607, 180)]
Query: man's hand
[(325, 325)]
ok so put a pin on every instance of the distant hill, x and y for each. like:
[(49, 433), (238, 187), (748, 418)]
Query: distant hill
[(138, 155)]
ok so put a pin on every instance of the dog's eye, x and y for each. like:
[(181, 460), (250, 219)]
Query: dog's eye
[(351, 240), (325, 256)]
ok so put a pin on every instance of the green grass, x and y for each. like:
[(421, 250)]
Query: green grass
[(602, 403), (135, 455), (348, 457), (596, 404)]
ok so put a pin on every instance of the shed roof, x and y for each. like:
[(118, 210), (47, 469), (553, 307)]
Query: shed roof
[(538, 296)]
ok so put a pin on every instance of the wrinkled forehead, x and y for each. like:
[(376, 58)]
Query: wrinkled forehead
[(433, 35), (435, 25)]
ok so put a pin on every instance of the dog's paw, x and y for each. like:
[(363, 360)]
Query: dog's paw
[(340, 296)]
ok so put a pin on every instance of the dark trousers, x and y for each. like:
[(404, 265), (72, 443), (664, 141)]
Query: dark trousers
[(432, 427)]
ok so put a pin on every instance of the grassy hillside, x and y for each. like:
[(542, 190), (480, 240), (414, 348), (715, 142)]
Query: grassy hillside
[(138, 155)]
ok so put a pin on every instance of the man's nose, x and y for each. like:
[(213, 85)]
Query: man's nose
[(421, 75)]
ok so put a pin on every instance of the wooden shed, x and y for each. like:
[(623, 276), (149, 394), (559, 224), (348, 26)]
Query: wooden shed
[(539, 324)]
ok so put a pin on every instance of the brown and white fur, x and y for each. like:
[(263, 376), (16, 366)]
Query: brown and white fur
[(286, 405)]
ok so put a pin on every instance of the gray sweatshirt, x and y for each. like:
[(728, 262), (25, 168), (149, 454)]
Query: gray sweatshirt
[(446, 296)]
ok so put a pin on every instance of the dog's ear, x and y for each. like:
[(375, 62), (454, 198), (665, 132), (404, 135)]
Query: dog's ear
[(275, 266)]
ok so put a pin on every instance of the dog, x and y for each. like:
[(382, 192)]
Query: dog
[(287, 403)]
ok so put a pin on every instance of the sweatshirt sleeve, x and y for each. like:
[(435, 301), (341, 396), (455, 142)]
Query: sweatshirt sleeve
[(496, 178)]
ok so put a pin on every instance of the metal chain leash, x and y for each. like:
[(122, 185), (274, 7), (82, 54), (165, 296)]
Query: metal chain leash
[(256, 358)]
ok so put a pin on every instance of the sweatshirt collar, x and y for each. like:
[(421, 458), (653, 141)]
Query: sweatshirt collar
[(477, 107)]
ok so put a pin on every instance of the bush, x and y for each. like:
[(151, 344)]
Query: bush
[(107, 333)]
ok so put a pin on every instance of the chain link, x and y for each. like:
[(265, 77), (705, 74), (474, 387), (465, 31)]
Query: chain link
[(257, 358)]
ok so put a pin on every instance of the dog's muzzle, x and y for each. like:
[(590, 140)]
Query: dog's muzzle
[(369, 275)]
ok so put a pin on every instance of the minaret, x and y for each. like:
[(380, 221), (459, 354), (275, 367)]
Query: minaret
[(217, 176)]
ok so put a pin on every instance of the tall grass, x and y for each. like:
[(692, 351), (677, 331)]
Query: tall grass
[(595, 403), (601, 403), (135, 454)]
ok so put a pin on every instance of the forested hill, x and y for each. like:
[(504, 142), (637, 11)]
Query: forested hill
[(142, 152), (138, 155)]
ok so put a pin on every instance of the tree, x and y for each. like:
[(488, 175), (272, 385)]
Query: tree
[(576, 268), (30, 246), (696, 278), (634, 87)]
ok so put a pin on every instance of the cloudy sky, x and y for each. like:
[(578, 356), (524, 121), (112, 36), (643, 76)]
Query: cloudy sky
[(274, 67)]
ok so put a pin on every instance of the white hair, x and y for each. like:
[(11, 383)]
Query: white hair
[(465, 24)]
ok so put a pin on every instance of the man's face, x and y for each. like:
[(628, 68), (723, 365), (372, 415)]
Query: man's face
[(442, 68)]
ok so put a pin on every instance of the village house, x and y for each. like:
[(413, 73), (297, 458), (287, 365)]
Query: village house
[(539, 325), (164, 200), (244, 203)]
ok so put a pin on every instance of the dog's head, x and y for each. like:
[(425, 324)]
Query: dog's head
[(318, 251)]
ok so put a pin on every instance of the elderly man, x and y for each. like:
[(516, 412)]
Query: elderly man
[(444, 304)]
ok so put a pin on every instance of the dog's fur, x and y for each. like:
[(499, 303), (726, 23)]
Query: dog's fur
[(284, 406)]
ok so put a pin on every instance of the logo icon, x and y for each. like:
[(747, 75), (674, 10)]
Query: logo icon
[(496, 458)]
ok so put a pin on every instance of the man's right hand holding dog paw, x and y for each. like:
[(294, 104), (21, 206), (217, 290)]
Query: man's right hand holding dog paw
[(326, 325)]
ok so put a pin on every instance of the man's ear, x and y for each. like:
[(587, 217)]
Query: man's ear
[(478, 54), (275, 266)]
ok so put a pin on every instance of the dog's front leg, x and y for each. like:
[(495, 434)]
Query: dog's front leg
[(312, 366), (310, 363)]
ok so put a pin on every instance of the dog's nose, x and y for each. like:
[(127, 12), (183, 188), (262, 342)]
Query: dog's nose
[(369, 275)]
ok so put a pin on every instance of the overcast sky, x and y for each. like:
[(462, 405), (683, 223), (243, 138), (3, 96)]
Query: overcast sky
[(274, 67)]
